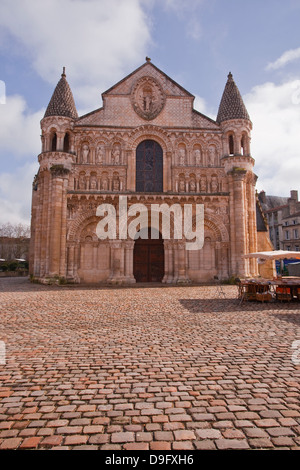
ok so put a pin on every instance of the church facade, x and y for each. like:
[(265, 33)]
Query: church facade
[(146, 144)]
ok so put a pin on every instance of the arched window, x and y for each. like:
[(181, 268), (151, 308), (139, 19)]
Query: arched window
[(149, 167), (231, 144), (54, 142), (243, 145), (66, 142)]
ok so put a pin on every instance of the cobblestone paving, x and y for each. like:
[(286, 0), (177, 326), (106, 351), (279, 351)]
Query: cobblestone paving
[(146, 368)]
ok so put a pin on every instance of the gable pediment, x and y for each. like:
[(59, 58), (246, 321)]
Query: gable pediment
[(147, 95), (150, 71)]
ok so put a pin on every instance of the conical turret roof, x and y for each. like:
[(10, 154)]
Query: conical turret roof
[(232, 105), (62, 101)]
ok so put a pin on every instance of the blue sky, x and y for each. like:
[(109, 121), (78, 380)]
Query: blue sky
[(196, 42)]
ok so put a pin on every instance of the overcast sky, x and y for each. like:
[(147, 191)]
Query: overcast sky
[(196, 42)]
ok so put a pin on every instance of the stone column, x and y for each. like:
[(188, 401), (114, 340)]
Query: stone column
[(168, 250), (167, 256), (252, 225), (128, 271), (182, 264), (59, 202), (60, 141), (39, 199), (71, 258), (239, 222), (175, 253), (95, 255), (131, 170), (167, 180), (63, 251), (115, 261)]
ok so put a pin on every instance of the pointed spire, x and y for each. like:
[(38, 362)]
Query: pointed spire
[(62, 101), (232, 105)]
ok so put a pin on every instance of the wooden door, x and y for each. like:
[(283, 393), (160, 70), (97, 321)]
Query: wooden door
[(148, 260)]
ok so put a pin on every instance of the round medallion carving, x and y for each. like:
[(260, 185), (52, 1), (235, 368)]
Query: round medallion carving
[(148, 98)]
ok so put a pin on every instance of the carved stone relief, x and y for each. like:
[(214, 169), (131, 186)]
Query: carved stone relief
[(100, 154), (148, 98), (85, 153)]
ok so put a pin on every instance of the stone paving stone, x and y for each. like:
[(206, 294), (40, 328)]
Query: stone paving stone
[(231, 444), (158, 368), (30, 443)]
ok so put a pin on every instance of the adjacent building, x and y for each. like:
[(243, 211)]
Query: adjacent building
[(283, 216)]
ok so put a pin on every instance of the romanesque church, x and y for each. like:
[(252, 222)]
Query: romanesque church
[(148, 143)]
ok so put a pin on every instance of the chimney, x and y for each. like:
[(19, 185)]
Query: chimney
[(294, 195), (262, 197), (292, 202)]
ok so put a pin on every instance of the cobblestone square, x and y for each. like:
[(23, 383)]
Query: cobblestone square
[(146, 368)]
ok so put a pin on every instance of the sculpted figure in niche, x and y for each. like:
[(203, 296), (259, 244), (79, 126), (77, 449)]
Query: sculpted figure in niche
[(93, 182), (105, 184), (211, 155), (197, 156), (192, 186), (81, 182), (146, 99), (115, 156), (214, 184), (181, 186), (100, 154), (181, 153), (85, 153), (203, 184), (116, 184)]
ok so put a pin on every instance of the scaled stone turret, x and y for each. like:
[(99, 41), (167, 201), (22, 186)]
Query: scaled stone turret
[(62, 102), (232, 105), (236, 126), (58, 121)]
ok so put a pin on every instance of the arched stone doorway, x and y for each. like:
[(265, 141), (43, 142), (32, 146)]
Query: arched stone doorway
[(148, 259), (149, 167)]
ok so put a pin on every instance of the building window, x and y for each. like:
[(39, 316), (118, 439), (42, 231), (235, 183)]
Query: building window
[(149, 167), (287, 235), (296, 235), (54, 142), (231, 145), (66, 142), (243, 145), (296, 247)]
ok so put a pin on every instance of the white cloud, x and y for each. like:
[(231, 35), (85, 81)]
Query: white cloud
[(95, 40), (15, 194), (19, 129), (275, 113), (284, 59), (201, 105), (2, 92)]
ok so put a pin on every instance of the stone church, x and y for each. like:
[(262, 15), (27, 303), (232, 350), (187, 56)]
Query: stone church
[(148, 143)]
